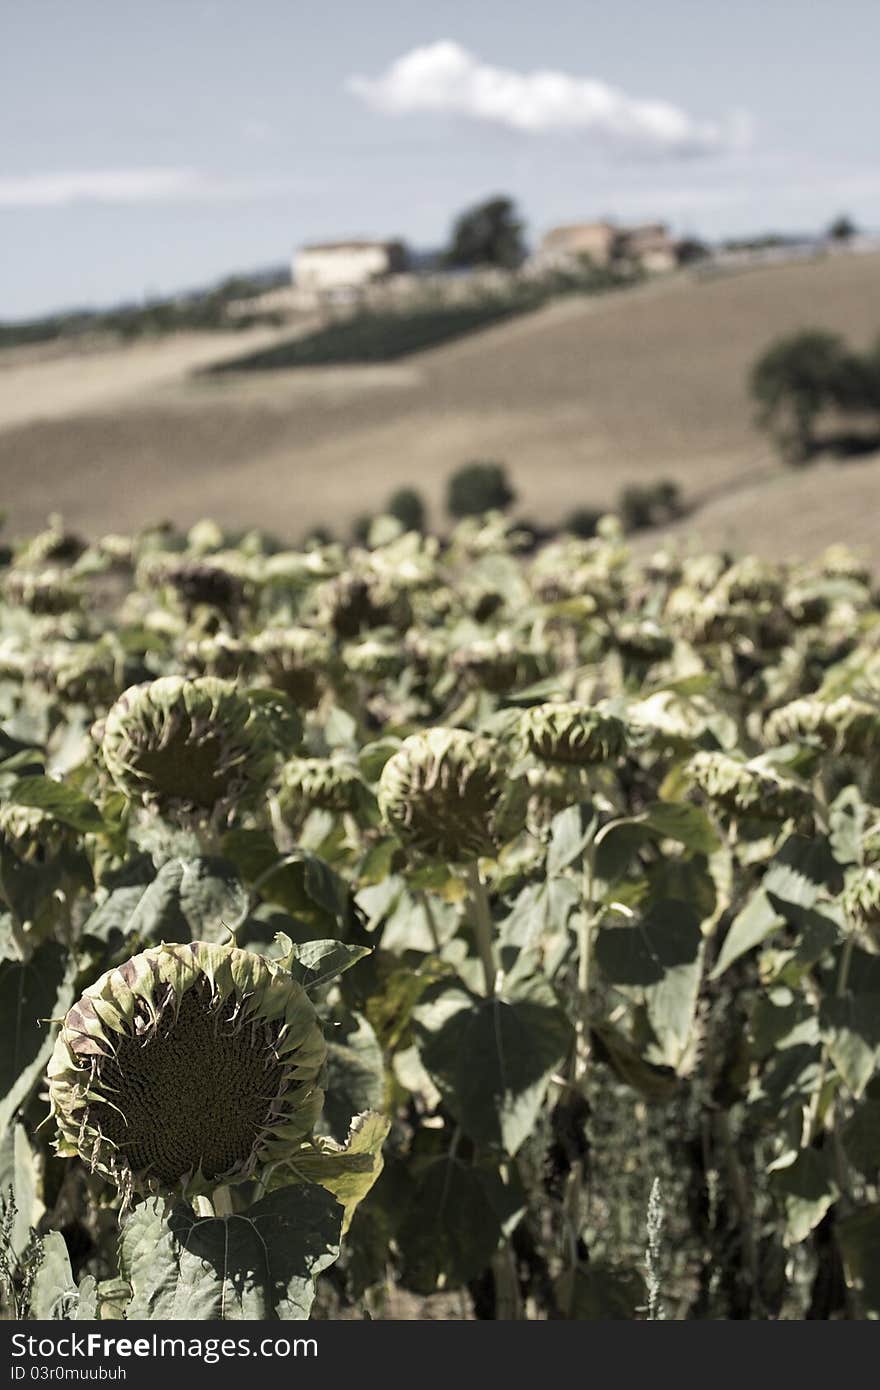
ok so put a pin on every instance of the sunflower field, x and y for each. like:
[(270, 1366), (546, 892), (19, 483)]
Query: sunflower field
[(459, 928)]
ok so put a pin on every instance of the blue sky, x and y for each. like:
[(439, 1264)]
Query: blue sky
[(151, 147)]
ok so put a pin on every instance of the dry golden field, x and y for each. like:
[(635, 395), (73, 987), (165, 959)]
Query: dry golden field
[(577, 399)]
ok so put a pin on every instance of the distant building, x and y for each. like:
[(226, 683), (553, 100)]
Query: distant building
[(650, 246), (562, 245), (333, 266)]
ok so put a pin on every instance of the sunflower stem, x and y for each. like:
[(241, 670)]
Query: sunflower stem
[(484, 928)]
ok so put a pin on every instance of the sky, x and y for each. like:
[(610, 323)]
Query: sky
[(152, 147)]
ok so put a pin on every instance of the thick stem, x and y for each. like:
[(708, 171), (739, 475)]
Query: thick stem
[(431, 920), (203, 1207), (484, 928)]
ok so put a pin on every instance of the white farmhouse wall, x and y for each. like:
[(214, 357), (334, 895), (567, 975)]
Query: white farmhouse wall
[(339, 267)]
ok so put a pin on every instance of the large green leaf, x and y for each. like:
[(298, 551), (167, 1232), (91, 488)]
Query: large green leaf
[(851, 1028), (347, 1171), (492, 1059), (54, 1294), (807, 1189), (452, 1227), (188, 900), (798, 874), (59, 800), (31, 993), (261, 1265), (19, 1173), (355, 1072), (661, 957)]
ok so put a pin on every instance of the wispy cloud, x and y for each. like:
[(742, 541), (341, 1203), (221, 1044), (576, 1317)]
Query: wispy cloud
[(446, 78), (128, 186)]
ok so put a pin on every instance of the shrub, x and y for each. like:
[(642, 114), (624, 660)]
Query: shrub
[(651, 505), (479, 487), (794, 380), (408, 507), (583, 521)]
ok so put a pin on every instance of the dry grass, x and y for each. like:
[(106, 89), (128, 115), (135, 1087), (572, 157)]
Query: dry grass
[(577, 399)]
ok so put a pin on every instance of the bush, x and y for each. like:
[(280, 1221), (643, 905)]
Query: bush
[(795, 380), (479, 487), (641, 507), (582, 521), (408, 507)]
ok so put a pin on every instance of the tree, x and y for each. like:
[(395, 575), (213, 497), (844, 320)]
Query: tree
[(408, 507), (478, 487), (842, 229), (490, 233), (794, 380)]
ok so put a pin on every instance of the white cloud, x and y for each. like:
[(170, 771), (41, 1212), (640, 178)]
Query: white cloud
[(445, 78), (126, 186)]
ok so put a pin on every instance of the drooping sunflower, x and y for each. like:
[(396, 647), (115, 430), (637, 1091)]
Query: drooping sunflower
[(187, 1067)]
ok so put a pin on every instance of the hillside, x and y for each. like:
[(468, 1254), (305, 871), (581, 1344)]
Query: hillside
[(577, 399)]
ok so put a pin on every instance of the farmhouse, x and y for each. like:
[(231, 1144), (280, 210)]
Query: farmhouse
[(598, 240), (650, 247), (331, 266)]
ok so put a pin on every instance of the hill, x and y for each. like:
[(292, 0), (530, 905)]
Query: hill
[(577, 398)]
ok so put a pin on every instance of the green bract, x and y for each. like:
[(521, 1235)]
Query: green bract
[(448, 795), (573, 733), (187, 747), (187, 1067)]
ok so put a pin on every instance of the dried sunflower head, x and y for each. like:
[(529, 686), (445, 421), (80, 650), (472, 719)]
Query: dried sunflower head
[(187, 1067), (187, 747), (749, 788), (573, 733), (329, 784), (448, 794)]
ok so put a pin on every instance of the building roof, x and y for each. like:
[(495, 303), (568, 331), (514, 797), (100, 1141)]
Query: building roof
[(354, 244)]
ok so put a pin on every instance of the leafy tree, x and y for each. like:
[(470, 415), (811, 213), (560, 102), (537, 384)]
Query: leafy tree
[(842, 229), (479, 487), (582, 521), (490, 233), (408, 506), (794, 380)]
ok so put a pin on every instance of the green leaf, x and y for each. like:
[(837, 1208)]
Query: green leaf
[(662, 957), (861, 1138), (260, 1265), (355, 1072), (313, 963), (60, 801), (540, 909), (18, 1171), (54, 1293), (457, 1217), (188, 900), (300, 882), (31, 993), (859, 1239), (568, 838), (492, 1059), (851, 1028), (618, 841), (348, 1172), (807, 1190), (626, 1061), (749, 928)]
